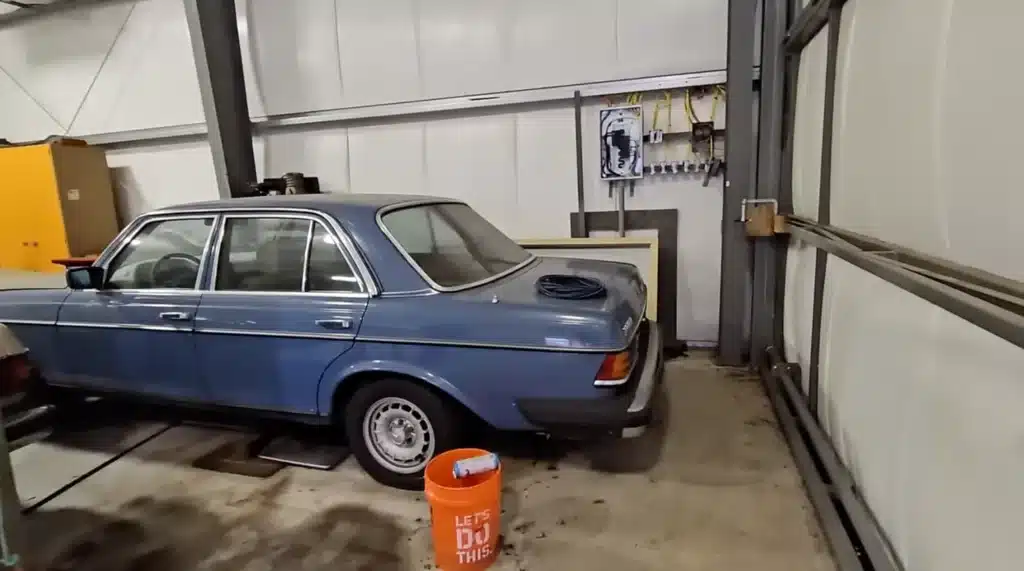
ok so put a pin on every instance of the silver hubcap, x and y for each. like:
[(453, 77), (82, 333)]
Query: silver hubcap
[(398, 435)]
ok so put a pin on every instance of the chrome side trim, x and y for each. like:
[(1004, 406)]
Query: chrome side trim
[(291, 294), (649, 374), (426, 278), (126, 326), (154, 291), (305, 257), (513, 347), (611, 382), (313, 221), (347, 245), (126, 236), (284, 334), (26, 322), (633, 432)]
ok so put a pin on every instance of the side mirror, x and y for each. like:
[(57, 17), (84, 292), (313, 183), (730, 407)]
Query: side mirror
[(85, 277)]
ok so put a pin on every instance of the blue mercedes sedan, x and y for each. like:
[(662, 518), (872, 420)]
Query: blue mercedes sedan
[(390, 319)]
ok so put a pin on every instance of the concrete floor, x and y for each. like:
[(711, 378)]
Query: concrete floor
[(712, 487)]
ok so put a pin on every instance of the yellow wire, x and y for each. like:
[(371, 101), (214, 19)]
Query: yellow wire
[(666, 102)]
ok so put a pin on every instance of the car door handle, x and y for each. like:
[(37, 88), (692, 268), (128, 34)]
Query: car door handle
[(175, 316), (334, 323)]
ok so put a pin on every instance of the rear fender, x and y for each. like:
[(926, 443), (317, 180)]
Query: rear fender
[(328, 388)]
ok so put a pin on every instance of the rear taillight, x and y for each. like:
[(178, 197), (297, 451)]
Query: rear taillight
[(614, 369)]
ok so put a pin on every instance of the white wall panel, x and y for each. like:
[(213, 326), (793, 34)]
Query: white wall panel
[(387, 159), (22, 118), (56, 58), (463, 47), (545, 156), (405, 50), (924, 409), (149, 78), (798, 308), (981, 124), (153, 177), (378, 50), (322, 153), (474, 159), (808, 124), (671, 36), (558, 43), (927, 131), (295, 50), (105, 67)]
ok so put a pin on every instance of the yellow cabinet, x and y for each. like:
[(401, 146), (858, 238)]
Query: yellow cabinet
[(56, 201)]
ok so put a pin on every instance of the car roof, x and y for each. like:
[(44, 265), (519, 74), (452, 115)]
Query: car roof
[(328, 201)]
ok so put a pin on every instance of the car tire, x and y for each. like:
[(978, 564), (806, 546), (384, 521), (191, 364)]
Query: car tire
[(395, 426)]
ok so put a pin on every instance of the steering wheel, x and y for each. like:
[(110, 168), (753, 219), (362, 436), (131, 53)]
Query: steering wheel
[(174, 270)]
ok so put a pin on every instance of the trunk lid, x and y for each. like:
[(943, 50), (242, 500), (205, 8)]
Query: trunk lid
[(608, 321)]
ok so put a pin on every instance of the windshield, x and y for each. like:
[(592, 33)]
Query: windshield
[(452, 244)]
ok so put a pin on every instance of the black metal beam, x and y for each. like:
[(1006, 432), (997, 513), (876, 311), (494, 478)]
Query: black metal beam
[(767, 251), (581, 207), (844, 552), (824, 202), (860, 529), (218, 56), (734, 305), (997, 320), (808, 23)]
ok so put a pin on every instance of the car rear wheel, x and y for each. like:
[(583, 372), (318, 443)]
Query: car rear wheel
[(395, 427)]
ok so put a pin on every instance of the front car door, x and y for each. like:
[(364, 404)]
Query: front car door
[(283, 305), (135, 334)]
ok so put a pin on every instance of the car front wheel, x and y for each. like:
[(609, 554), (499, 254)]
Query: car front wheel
[(395, 427)]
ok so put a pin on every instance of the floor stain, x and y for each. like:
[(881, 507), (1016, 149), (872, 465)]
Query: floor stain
[(174, 534)]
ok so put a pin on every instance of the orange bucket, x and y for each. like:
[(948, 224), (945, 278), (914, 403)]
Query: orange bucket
[(465, 513)]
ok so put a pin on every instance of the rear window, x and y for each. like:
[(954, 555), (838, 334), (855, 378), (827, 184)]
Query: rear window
[(451, 244)]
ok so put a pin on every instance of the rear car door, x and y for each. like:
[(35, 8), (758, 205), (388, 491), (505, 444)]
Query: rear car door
[(284, 304), (135, 334)]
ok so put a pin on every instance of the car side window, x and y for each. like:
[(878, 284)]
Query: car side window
[(262, 254), (411, 228), (329, 270), (164, 254)]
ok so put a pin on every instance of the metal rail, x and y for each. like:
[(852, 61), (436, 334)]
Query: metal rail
[(995, 318), (857, 536), (370, 114)]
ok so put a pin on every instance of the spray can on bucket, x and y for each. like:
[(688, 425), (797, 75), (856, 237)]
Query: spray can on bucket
[(475, 465)]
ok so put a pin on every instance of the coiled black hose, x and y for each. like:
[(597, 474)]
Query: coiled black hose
[(570, 287)]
